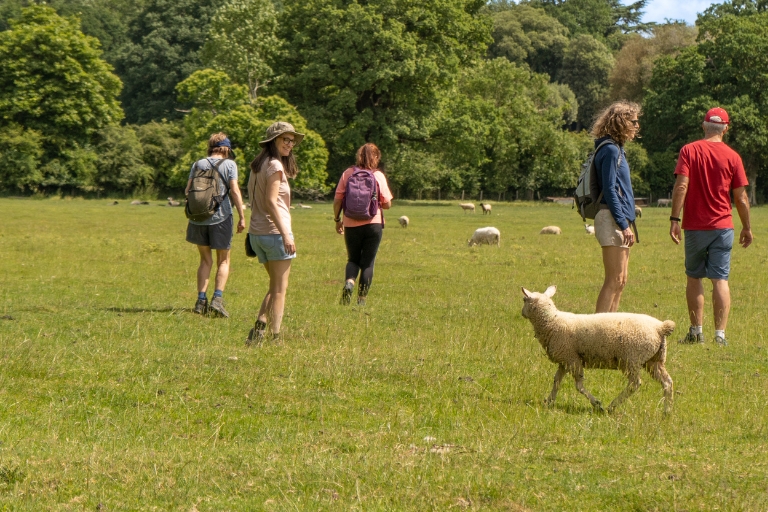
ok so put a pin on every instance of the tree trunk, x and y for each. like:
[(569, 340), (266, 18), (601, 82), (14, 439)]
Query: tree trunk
[(438, 194), (529, 195), (462, 195), (752, 177), (481, 195)]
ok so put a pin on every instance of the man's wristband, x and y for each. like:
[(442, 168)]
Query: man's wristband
[(337, 219), (676, 219)]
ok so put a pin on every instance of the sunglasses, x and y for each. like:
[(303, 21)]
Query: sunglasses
[(288, 141)]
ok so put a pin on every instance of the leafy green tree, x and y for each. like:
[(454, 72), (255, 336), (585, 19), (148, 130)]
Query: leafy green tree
[(524, 34), (161, 144), (728, 68), (242, 41), (375, 71), (587, 64), (20, 152), (631, 74), (120, 164), (55, 84), (164, 48), (220, 105)]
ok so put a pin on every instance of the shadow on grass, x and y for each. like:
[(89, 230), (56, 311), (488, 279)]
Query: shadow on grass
[(166, 309)]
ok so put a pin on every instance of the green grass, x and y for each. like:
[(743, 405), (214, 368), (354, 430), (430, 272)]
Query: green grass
[(113, 393)]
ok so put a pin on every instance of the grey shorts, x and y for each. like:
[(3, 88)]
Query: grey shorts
[(708, 253), (270, 248), (216, 236), (607, 232)]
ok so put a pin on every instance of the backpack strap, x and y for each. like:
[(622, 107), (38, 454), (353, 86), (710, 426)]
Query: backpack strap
[(216, 168)]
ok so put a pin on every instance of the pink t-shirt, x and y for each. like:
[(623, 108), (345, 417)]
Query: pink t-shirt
[(385, 196), (714, 169)]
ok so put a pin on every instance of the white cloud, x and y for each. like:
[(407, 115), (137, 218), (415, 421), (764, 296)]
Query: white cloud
[(658, 10)]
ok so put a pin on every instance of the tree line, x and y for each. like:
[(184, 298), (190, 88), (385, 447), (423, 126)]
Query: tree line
[(462, 96)]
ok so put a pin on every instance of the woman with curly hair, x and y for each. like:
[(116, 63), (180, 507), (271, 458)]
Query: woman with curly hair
[(615, 126)]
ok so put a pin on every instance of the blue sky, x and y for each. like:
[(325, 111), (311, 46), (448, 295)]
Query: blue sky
[(657, 10)]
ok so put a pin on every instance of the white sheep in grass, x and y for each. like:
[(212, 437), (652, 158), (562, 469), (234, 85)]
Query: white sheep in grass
[(467, 206), (550, 230), (638, 212), (589, 229), (489, 235), (623, 341), (486, 208), (404, 221)]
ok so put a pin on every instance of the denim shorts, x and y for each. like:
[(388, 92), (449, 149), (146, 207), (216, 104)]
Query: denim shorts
[(708, 253), (270, 247)]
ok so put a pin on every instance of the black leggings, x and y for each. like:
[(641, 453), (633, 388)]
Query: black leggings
[(362, 246)]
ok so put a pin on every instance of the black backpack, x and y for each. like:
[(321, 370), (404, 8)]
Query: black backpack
[(205, 195)]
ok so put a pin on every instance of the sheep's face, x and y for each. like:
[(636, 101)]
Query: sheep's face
[(533, 301)]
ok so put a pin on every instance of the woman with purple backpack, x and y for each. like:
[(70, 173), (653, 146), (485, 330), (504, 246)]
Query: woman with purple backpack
[(362, 194)]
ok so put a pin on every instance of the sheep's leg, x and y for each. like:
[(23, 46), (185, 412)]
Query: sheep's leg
[(659, 373), (578, 377), (633, 378), (559, 374)]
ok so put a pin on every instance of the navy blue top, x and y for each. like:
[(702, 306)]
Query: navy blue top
[(614, 182)]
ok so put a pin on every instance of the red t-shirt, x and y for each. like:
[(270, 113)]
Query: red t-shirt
[(714, 169)]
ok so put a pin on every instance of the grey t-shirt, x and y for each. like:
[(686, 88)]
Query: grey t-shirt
[(227, 169)]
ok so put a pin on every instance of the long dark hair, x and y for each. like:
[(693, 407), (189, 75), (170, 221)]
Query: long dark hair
[(268, 153)]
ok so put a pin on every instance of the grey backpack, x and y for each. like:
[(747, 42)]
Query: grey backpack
[(588, 195), (205, 194)]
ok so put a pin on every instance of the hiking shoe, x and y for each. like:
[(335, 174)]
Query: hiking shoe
[(692, 339), (346, 294), (360, 301), (721, 341), (201, 306), (217, 307), (254, 337)]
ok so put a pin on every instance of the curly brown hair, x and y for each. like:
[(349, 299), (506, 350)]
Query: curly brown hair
[(368, 157), (615, 121)]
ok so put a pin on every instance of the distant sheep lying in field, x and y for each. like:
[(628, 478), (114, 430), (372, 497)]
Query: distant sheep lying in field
[(404, 221), (489, 235), (663, 202), (550, 230), (589, 229), (304, 206), (625, 341), (171, 202), (467, 206), (638, 212), (486, 208)]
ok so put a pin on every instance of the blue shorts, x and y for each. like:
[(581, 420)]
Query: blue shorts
[(270, 247), (708, 253)]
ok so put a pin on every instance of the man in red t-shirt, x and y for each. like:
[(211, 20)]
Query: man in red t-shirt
[(707, 170)]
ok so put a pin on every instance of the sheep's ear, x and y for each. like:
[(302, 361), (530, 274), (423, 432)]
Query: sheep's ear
[(526, 292), (550, 291)]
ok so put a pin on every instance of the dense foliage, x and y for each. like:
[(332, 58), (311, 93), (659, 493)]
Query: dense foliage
[(462, 96)]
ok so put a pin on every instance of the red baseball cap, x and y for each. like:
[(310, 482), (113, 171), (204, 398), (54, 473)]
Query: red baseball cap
[(717, 115)]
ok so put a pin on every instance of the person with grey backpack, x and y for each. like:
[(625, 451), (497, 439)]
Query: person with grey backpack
[(212, 181), (615, 217)]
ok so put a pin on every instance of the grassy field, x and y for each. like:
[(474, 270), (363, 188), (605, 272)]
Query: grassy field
[(114, 396)]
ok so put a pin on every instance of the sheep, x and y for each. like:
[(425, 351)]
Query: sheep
[(404, 221), (304, 206), (638, 212), (171, 202), (489, 235), (550, 230), (663, 202), (623, 341), (467, 206), (486, 208), (589, 229)]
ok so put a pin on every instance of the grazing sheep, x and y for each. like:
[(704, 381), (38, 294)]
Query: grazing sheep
[(467, 206), (550, 230), (171, 202), (589, 229), (404, 221), (638, 212), (486, 208), (664, 202), (135, 202), (115, 203), (489, 235), (304, 206), (625, 341)]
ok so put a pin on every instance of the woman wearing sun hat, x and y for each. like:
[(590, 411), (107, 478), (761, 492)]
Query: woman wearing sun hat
[(270, 227)]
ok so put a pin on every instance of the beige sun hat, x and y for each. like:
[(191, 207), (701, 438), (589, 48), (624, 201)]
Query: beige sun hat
[(279, 128)]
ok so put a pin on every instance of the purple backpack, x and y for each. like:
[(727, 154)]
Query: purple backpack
[(361, 198)]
